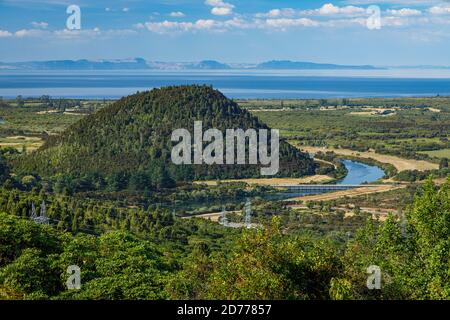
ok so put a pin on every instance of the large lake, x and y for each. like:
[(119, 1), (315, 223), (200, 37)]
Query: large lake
[(286, 84)]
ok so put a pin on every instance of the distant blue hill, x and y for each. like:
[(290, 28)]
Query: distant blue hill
[(134, 64), (142, 64), (137, 63), (293, 65), (208, 64)]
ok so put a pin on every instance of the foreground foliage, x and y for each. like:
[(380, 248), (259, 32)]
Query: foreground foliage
[(413, 254)]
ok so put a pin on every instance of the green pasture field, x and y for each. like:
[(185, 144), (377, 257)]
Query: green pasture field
[(444, 153), (419, 125)]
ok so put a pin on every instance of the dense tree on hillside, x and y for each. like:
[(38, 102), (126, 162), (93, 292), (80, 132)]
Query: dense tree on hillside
[(132, 137), (4, 169)]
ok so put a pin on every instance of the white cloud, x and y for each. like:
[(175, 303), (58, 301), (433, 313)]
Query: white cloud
[(348, 22), (218, 3), (92, 33), (171, 26), (327, 10), (139, 26), (126, 9), (231, 24), (275, 13), (28, 33), (394, 21), (4, 34), (220, 8), (205, 24), (40, 25), (221, 11), (405, 12), (177, 14), (440, 9), (73, 34), (167, 26), (283, 23), (67, 34), (107, 9), (238, 23), (330, 9)]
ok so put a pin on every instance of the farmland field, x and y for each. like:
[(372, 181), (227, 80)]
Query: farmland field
[(443, 153), (404, 127)]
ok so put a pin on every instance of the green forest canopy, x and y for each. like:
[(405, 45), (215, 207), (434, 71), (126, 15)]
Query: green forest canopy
[(414, 257), (131, 141)]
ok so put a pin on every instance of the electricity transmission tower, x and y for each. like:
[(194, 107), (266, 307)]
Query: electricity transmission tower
[(42, 218), (248, 214), (33, 212), (223, 218)]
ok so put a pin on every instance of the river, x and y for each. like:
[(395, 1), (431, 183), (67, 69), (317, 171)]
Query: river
[(358, 174)]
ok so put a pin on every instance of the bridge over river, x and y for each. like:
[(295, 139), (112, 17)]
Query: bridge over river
[(323, 187)]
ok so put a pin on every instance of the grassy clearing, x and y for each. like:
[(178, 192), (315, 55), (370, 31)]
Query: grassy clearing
[(29, 122), (19, 142), (444, 153)]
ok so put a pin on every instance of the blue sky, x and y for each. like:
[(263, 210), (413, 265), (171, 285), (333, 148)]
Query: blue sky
[(413, 32)]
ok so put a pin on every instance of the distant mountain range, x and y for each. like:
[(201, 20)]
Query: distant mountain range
[(142, 64), (428, 67), (133, 64), (295, 65)]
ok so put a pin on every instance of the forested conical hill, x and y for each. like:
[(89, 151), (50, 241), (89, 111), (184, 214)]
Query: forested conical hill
[(132, 139)]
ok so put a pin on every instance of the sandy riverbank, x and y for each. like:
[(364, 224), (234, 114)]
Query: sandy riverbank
[(273, 181), (399, 163)]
